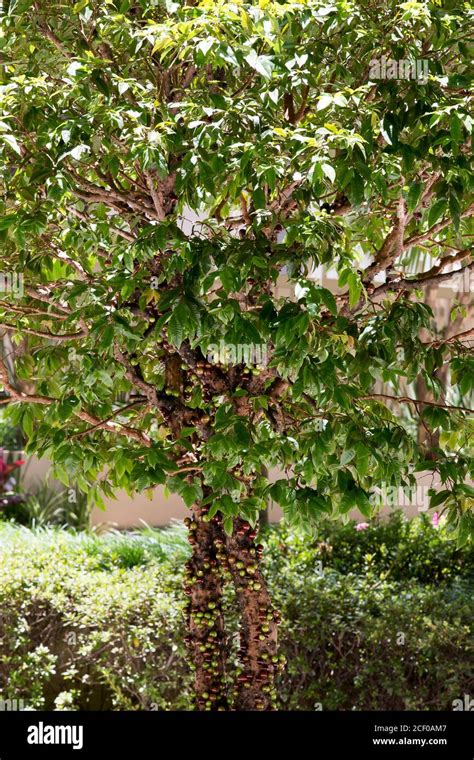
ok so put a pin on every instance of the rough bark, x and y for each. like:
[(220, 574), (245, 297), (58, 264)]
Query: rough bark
[(206, 639), (258, 648)]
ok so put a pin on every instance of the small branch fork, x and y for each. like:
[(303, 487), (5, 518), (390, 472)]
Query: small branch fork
[(416, 402), (395, 244), (107, 425)]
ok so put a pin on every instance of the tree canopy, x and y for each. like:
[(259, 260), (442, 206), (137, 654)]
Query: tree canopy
[(119, 119)]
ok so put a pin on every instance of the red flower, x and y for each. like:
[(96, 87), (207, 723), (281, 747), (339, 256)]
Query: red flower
[(19, 462)]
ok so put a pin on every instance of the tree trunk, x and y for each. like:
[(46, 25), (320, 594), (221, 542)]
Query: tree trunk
[(258, 658), (206, 637)]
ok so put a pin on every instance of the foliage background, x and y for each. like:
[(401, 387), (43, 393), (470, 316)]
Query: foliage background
[(90, 622)]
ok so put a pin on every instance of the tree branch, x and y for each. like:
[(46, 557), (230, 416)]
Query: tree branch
[(84, 218), (452, 339), (51, 36), (160, 214), (108, 426), (122, 409), (392, 246), (422, 236), (418, 282), (40, 334), (414, 401)]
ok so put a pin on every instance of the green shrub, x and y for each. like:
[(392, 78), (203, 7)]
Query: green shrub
[(94, 622), (106, 636), (396, 549), (352, 644), (11, 436)]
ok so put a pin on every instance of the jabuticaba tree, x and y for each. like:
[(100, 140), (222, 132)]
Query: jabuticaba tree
[(164, 168)]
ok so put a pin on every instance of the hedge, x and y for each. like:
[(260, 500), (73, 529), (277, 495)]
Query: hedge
[(376, 619)]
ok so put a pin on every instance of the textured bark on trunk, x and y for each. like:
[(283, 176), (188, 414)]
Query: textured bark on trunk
[(258, 657), (206, 639)]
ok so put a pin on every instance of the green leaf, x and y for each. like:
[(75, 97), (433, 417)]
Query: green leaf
[(7, 221), (355, 288), (66, 407), (107, 336), (362, 502), (176, 328), (347, 456), (414, 195), (12, 142), (323, 102), (328, 300), (100, 83), (465, 529), (356, 189), (439, 498), (258, 196), (191, 493), (79, 6), (455, 128), (436, 211), (27, 421), (228, 526), (261, 63), (329, 171), (454, 209)]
